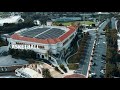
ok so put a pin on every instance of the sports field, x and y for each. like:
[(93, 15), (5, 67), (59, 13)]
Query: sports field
[(69, 23), (63, 23), (87, 22)]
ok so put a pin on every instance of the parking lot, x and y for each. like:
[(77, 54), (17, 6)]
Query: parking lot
[(98, 60), (98, 57), (84, 62)]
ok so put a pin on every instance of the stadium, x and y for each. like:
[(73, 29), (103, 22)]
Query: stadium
[(43, 39)]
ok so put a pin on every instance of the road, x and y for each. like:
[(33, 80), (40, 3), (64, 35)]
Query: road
[(8, 75), (100, 49), (113, 23), (85, 60)]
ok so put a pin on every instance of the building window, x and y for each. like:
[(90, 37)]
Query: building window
[(65, 41), (42, 56), (40, 46), (36, 46), (38, 56), (72, 36), (49, 58)]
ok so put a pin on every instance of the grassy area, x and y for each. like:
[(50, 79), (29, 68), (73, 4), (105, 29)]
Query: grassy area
[(3, 43), (73, 66), (81, 50), (73, 59), (87, 22), (63, 23), (75, 48), (69, 23)]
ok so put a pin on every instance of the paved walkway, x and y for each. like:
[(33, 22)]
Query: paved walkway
[(9, 61), (3, 49), (73, 53), (102, 26)]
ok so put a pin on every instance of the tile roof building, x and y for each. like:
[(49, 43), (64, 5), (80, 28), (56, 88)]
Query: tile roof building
[(44, 38)]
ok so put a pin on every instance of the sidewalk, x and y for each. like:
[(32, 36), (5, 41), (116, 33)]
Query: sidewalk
[(9, 61)]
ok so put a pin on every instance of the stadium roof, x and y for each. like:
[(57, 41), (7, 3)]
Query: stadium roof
[(44, 35)]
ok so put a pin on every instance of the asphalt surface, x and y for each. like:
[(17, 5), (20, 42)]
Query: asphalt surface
[(85, 60), (99, 50), (8, 75), (113, 22)]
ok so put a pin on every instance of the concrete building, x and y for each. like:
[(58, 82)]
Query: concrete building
[(43, 39), (11, 19)]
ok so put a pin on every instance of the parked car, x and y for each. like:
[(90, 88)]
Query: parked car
[(93, 64), (92, 75), (77, 71), (103, 55), (102, 61), (101, 76), (103, 58), (102, 71)]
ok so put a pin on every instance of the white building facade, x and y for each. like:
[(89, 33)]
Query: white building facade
[(42, 47)]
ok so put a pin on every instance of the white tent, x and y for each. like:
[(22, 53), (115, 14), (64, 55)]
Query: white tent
[(11, 19)]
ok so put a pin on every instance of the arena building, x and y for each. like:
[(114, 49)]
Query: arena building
[(43, 39)]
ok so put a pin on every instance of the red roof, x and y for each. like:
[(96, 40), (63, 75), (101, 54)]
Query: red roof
[(52, 41), (72, 29), (45, 41), (75, 76)]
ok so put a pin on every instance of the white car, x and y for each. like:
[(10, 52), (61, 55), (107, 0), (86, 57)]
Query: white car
[(92, 74), (104, 42), (102, 71), (102, 61)]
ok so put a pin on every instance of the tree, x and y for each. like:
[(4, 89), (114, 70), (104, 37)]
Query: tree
[(63, 68), (112, 56), (46, 73), (23, 54), (110, 68)]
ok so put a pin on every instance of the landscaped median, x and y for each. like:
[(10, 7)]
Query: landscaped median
[(75, 58), (87, 22), (63, 23), (72, 22), (82, 44), (73, 66)]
